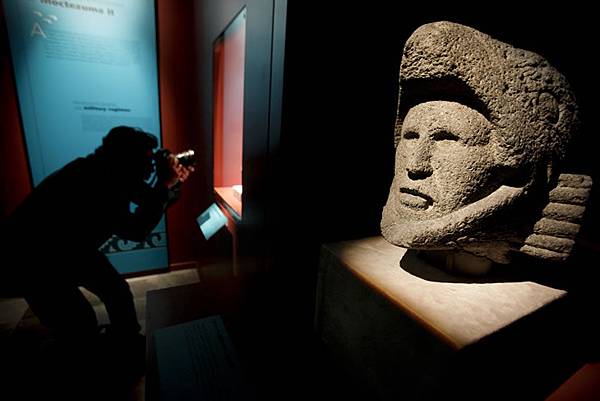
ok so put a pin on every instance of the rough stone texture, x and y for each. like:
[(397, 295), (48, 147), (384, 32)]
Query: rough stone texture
[(554, 234), (480, 130)]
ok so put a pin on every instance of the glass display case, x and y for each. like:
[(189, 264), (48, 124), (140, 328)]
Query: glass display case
[(228, 114)]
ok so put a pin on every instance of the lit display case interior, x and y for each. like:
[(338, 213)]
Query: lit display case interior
[(228, 113)]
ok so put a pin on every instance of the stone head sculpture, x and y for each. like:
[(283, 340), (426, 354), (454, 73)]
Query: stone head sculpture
[(480, 132)]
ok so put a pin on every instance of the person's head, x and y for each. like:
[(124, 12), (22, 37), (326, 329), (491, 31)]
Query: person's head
[(130, 150), (480, 129)]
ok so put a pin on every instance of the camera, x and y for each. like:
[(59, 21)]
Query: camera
[(161, 159), (186, 158)]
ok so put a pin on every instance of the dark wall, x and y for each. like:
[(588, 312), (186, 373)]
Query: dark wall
[(336, 154), (339, 103)]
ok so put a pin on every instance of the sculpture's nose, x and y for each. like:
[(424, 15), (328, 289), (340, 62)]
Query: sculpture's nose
[(418, 165)]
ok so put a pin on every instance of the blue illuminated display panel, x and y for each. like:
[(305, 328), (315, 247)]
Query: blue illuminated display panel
[(82, 67)]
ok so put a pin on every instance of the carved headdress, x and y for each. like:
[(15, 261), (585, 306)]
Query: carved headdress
[(533, 115)]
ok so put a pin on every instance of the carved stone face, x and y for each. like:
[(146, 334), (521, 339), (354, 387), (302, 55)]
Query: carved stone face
[(480, 129), (444, 161)]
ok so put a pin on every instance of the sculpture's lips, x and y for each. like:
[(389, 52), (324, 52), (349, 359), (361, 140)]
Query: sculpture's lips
[(415, 199)]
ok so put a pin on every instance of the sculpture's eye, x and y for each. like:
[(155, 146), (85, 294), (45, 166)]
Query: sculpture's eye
[(410, 135), (444, 136)]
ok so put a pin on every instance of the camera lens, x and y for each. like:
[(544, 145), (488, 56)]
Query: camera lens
[(187, 158)]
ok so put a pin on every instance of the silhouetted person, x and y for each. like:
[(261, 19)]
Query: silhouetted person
[(53, 237)]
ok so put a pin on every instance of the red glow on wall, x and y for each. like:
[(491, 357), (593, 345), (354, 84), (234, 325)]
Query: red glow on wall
[(15, 182), (228, 110)]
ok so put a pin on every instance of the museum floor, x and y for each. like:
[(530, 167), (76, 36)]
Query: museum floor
[(36, 358), (283, 364)]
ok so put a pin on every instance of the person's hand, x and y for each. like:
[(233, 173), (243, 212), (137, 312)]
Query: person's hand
[(176, 172)]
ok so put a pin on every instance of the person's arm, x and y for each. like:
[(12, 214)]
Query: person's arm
[(151, 203)]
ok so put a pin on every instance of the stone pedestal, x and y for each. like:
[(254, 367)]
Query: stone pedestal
[(412, 332)]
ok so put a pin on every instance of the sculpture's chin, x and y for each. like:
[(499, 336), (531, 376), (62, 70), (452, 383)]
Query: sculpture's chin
[(461, 229)]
